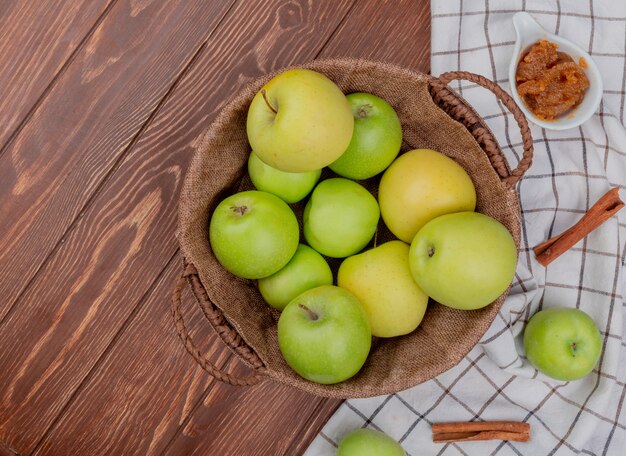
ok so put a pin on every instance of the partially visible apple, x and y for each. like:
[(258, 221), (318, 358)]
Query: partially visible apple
[(376, 138), (253, 234), (290, 187), (299, 121), (307, 269), (564, 343), (420, 185), (381, 280), (463, 260), (324, 335), (340, 218), (368, 442)]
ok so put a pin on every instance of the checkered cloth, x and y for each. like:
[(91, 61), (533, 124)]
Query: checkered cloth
[(571, 170)]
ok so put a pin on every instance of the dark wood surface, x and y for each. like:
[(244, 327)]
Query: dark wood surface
[(101, 103)]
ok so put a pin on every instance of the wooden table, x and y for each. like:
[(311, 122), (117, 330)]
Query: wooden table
[(101, 102)]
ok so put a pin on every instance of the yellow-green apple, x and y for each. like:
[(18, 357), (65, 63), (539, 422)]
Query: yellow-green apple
[(340, 218), (368, 442), (290, 187), (381, 280), (324, 334), (562, 342), (307, 269), (463, 260), (420, 185), (253, 234), (299, 121), (376, 138)]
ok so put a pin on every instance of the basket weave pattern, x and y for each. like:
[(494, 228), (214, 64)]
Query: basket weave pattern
[(432, 116)]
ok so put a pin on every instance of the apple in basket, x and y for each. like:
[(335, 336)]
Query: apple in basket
[(420, 185), (463, 260), (381, 279), (340, 218), (324, 334), (368, 442), (290, 187), (253, 234), (299, 121), (376, 139), (564, 343), (307, 269)]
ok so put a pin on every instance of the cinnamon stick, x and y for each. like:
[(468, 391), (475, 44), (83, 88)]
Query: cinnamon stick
[(607, 206), (482, 430)]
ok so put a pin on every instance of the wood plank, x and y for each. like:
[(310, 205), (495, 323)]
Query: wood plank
[(29, 62), (163, 36), (143, 389), (6, 450), (264, 420), (70, 429), (111, 257), (392, 31), (210, 428), (86, 123)]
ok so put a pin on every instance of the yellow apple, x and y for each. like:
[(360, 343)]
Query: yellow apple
[(299, 121), (420, 185), (381, 280)]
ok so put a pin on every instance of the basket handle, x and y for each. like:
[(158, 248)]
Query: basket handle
[(500, 162), (226, 332)]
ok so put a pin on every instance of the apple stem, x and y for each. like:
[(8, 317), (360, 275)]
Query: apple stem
[(364, 110), (240, 210), (312, 315), (431, 251), (267, 102), (573, 345)]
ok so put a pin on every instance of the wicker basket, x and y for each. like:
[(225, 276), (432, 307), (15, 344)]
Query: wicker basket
[(432, 116)]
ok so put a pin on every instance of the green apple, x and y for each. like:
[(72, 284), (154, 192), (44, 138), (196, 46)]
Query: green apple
[(368, 442), (381, 280), (464, 260), (324, 335), (299, 121), (253, 234), (564, 343), (307, 269), (290, 187), (420, 185), (340, 218), (376, 138)]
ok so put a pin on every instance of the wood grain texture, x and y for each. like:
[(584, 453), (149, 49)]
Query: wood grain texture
[(87, 122), (115, 251), (143, 389), (368, 24), (6, 450), (246, 420), (392, 31), (89, 362), (29, 62), (72, 311)]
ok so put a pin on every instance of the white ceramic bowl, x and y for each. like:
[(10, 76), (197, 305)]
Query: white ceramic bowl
[(529, 32)]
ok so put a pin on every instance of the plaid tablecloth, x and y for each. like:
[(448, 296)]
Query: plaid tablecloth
[(571, 170)]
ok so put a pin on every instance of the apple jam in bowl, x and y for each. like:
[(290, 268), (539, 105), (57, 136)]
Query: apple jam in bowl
[(549, 82), (555, 83)]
